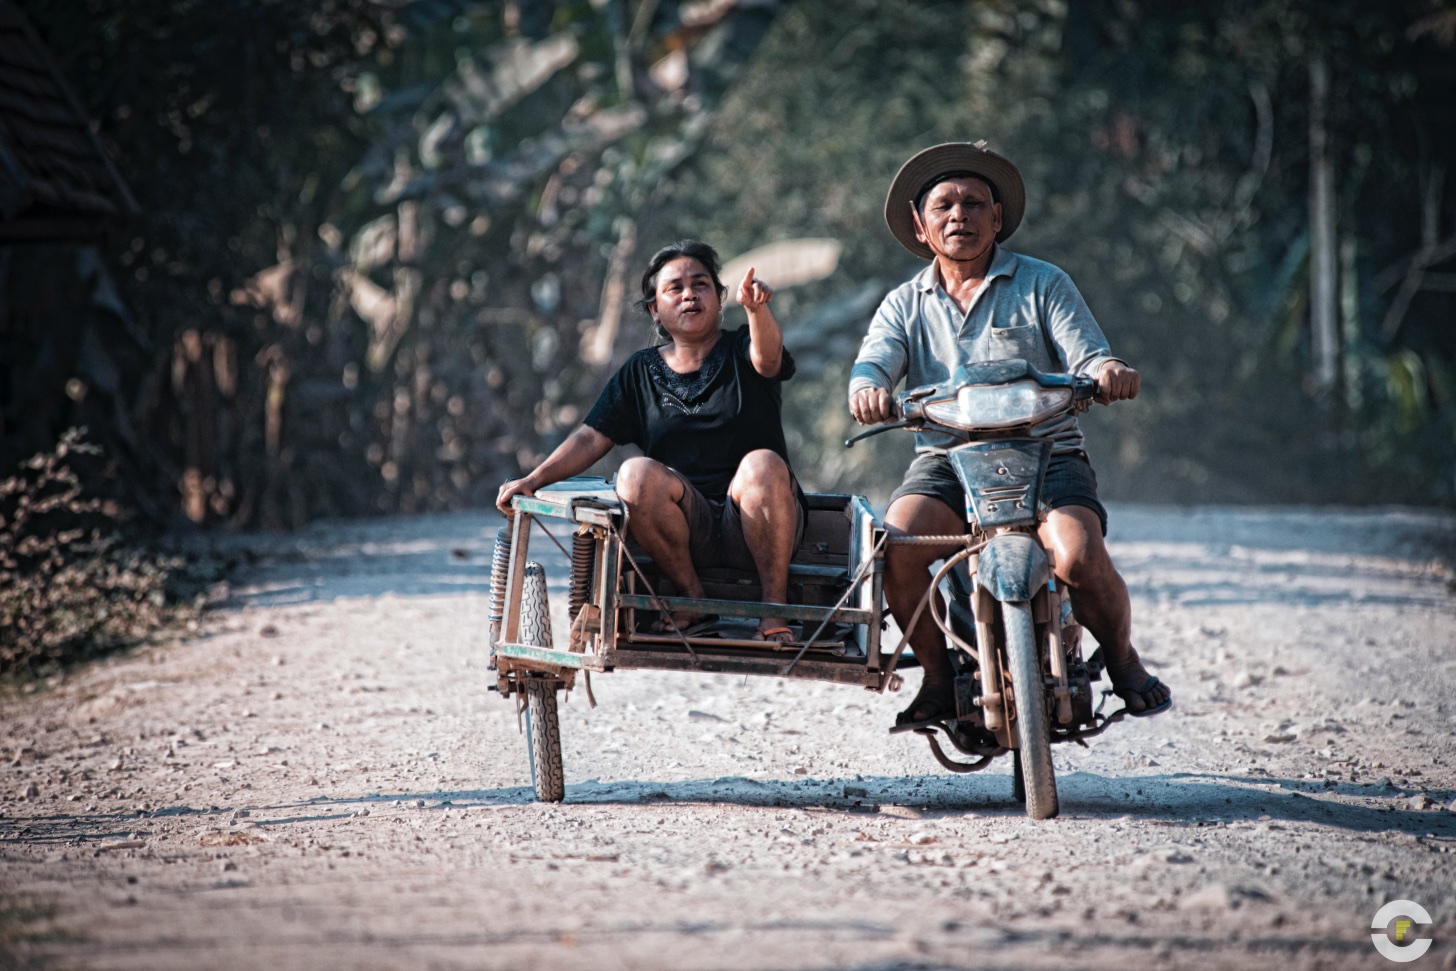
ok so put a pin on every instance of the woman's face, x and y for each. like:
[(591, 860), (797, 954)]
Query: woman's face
[(687, 303)]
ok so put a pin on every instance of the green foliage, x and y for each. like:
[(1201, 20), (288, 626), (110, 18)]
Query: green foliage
[(386, 247), (1165, 151), (377, 236), (69, 586)]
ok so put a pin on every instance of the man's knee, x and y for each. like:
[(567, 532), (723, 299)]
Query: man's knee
[(1081, 556), (642, 480), (918, 515)]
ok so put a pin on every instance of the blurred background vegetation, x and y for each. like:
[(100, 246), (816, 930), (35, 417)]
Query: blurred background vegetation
[(386, 249)]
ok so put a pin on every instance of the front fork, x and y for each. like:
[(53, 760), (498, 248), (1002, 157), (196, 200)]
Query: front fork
[(1050, 611)]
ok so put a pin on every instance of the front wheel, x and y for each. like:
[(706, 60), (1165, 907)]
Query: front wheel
[(543, 727), (1034, 752)]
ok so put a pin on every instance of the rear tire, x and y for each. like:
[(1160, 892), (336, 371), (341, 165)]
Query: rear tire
[(1032, 732), (543, 727)]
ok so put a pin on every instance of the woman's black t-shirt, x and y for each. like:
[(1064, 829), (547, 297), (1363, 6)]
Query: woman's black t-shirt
[(703, 423)]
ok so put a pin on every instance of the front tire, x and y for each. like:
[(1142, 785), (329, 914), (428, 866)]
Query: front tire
[(1034, 752), (543, 726)]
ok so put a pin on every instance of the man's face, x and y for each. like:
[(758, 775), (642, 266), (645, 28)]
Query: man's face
[(958, 219)]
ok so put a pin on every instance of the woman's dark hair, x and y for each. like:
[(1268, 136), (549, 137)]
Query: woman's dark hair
[(693, 248)]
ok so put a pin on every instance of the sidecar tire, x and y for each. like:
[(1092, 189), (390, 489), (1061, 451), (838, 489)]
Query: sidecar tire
[(1033, 735), (543, 741), (543, 726)]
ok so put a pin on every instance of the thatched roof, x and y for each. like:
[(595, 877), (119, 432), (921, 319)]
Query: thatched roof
[(56, 181)]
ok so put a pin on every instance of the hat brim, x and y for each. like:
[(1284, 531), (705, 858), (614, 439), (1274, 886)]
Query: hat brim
[(952, 157)]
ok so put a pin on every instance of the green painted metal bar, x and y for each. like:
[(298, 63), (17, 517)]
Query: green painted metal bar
[(546, 655), (538, 507), (747, 608), (841, 672)]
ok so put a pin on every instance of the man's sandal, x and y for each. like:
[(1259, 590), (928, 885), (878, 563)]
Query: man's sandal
[(931, 712), (1127, 689), (773, 634)]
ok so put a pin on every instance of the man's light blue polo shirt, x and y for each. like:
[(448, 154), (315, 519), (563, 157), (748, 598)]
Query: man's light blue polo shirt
[(1026, 308)]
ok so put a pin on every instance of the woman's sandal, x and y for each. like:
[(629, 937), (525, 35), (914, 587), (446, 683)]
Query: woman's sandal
[(775, 634), (702, 627)]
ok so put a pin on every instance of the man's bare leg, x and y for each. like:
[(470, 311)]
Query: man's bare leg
[(907, 575), (652, 494), (763, 489), (1099, 597)]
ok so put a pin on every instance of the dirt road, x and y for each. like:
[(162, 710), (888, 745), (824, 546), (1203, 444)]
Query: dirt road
[(319, 779)]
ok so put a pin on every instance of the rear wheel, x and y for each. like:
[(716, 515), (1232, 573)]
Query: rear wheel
[(1037, 777), (543, 727)]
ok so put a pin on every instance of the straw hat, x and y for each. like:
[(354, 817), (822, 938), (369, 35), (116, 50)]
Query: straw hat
[(939, 160)]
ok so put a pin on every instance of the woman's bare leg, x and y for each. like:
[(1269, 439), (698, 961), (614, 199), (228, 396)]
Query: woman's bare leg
[(653, 494), (763, 489)]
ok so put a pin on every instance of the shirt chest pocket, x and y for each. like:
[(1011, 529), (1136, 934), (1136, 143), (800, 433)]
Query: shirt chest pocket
[(1020, 341)]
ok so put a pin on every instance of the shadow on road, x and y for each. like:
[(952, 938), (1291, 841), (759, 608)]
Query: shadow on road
[(1179, 799)]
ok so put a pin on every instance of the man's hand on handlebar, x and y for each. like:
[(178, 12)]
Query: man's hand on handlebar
[(1117, 382), (870, 406)]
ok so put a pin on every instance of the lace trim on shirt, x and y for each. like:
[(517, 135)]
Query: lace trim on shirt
[(691, 386)]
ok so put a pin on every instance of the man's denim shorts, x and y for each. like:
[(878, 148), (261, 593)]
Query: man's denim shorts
[(1070, 481)]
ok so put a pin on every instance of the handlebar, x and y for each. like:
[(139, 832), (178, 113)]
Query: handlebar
[(912, 412), (889, 426)]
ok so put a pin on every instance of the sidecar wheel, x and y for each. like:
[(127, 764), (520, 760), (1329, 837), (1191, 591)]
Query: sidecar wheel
[(543, 740), (543, 727), (1033, 735)]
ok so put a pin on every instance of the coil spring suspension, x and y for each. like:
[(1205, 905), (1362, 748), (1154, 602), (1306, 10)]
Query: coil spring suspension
[(499, 568), (583, 550)]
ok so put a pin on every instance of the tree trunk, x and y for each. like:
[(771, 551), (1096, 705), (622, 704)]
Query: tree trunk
[(1323, 253)]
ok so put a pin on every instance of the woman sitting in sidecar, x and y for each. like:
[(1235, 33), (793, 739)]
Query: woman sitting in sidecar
[(713, 486)]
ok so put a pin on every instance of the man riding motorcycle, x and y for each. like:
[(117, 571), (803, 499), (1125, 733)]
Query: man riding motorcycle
[(953, 204)]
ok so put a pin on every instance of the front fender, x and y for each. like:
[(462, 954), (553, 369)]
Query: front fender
[(1013, 567)]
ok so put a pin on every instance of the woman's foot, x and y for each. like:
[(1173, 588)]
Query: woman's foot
[(774, 629), (683, 622), (1142, 692)]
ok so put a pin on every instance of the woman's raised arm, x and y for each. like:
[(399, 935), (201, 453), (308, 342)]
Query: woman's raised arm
[(766, 337)]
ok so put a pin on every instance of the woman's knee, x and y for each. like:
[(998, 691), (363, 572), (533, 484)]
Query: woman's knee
[(642, 480), (761, 473)]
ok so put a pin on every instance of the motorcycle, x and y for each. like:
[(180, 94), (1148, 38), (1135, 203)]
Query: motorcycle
[(1021, 682)]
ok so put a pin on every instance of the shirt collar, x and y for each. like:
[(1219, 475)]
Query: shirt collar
[(1003, 263)]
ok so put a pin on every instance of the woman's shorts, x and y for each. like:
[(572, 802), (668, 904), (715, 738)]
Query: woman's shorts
[(1070, 481), (715, 528)]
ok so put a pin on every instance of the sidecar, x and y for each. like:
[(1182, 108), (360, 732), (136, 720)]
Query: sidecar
[(614, 592)]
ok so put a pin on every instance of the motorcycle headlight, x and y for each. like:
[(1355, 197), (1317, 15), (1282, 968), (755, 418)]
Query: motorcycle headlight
[(999, 406)]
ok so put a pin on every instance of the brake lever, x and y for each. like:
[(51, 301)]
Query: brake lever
[(902, 423)]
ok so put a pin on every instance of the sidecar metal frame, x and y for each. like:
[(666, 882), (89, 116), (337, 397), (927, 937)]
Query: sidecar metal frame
[(835, 580)]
